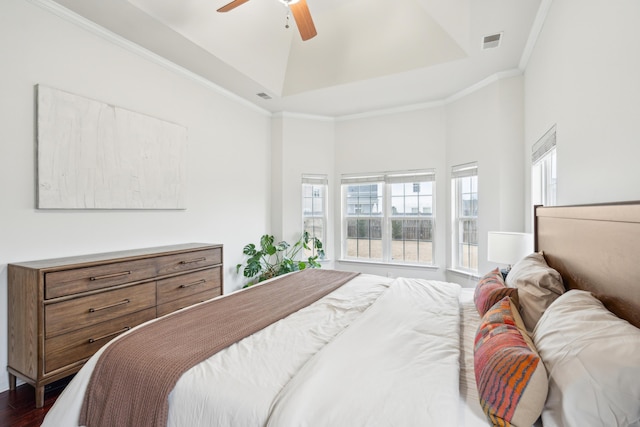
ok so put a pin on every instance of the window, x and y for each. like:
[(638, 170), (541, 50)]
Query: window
[(464, 186), (314, 208), (543, 170), (389, 217)]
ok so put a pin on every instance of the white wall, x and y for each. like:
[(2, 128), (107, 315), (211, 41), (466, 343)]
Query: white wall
[(394, 142), (302, 145), (486, 126), (228, 150), (583, 76)]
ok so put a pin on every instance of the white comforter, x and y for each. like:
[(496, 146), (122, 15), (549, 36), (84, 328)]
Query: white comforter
[(373, 352)]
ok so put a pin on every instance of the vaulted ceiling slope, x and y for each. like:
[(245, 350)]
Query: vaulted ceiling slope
[(368, 54)]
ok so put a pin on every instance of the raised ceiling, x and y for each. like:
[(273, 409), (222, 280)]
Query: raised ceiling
[(368, 54)]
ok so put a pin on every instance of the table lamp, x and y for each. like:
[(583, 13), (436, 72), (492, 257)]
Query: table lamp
[(508, 248)]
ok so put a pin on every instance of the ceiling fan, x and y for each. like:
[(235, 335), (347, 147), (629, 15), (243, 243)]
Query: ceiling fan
[(300, 12)]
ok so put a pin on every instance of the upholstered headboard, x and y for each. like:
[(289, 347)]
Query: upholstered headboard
[(595, 248)]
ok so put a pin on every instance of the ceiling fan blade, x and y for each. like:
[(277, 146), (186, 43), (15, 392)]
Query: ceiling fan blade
[(232, 5), (303, 19)]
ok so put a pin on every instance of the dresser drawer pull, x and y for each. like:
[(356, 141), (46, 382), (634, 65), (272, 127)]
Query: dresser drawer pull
[(191, 261), (93, 310), (110, 276), (188, 285), (125, 329)]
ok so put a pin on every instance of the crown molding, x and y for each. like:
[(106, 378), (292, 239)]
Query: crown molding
[(294, 115), (394, 110), (483, 83), (426, 105)]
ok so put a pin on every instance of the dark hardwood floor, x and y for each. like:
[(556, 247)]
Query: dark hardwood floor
[(18, 408)]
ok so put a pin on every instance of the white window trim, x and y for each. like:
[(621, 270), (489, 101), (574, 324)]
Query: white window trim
[(320, 180), (459, 171), (386, 178), (541, 154)]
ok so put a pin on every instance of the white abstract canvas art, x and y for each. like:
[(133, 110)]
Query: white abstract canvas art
[(92, 155)]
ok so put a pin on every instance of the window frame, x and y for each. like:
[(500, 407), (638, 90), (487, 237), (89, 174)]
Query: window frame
[(316, 181), (544, 178), (458, 174), (384, 181)]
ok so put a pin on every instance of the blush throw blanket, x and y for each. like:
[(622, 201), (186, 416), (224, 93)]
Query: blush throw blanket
[(135, 374)]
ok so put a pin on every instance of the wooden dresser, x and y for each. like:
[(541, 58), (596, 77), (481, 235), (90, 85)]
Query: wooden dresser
[(61, 311)]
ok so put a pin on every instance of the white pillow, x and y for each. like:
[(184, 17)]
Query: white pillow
[(593, 361), (538, 286)]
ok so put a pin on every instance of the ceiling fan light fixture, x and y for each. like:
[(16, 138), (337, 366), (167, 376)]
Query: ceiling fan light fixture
[(288, 2)]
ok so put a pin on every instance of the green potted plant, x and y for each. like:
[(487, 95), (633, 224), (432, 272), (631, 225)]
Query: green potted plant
[(273, 259)]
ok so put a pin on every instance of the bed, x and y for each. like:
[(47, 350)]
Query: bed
[(407, 352)]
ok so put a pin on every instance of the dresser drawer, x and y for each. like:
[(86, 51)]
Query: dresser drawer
[(188, 284), (86, 311), (188, 261), (68, 282), (66, 349), (174, 305)]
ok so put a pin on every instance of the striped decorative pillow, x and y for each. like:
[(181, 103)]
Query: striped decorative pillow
[(491, 289), (511, 378)]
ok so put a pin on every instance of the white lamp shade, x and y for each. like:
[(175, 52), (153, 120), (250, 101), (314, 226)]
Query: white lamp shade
[(508, 248)]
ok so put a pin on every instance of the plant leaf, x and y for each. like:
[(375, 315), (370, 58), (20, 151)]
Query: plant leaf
[(266, 240), (252, 269), (255, 259), (288, 264), (282, 246), (250, 249), (270, 250)]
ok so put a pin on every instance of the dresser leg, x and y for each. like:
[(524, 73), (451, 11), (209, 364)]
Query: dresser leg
[(39, 397), (12, 381)]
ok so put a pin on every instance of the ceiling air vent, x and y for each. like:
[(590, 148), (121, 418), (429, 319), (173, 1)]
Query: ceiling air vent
[(263, 95), (491, 41)]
